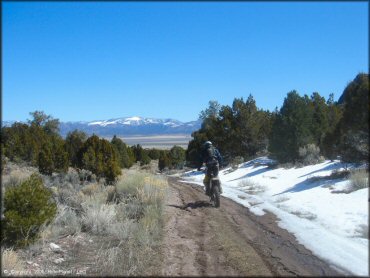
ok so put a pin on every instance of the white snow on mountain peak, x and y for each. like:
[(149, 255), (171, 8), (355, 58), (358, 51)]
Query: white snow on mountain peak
[(136, 121), (135, 118)]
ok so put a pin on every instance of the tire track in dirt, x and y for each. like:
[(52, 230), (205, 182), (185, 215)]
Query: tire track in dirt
[(192, 245), (201, 240)]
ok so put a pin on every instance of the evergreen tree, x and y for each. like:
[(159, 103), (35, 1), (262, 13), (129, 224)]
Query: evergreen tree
[(320, 118), (45, 161), (353, 127), (73, 145), (240, 130), (193, 152), (210, 112), (26, 207), (137, 151), (60, 155), (330, 142), (140, 154), (177, 157), (110, 162), (154, 154), (48, 123), (164, 161), (100, 157), (123, 155), (145, 159), (291, 128)]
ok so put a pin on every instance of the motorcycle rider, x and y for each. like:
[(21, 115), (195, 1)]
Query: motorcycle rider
[(213, 159)]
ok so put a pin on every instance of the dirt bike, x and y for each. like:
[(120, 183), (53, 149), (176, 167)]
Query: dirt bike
[(215, 189)]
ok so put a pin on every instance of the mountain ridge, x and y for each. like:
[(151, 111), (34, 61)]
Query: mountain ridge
[(127, 126)]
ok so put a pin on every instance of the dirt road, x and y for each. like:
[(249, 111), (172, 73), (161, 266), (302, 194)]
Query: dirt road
[(229, 241)]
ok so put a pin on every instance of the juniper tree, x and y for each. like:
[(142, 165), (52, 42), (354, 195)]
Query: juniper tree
[(26, 207), (122, 150)]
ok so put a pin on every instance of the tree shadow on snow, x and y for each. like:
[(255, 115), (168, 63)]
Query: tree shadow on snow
[(331, 166), (254, 173), (311, 183)]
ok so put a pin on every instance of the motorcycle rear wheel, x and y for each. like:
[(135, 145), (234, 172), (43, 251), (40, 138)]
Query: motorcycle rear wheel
[(216, 196)]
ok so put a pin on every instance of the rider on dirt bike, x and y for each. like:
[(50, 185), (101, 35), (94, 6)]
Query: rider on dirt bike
[(212, 158)]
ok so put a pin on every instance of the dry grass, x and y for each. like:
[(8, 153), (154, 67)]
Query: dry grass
[(91, 189), (251, 187), (97, 218), (14, 174), (281, 199), (362, 231), (10, 261), (304, 214), (359, 179), (130, 212), (65, 223), (138, 226)]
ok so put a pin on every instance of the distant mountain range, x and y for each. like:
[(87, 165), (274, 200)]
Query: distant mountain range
[(128, 126)]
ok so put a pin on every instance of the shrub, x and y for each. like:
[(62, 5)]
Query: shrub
[(72, 176), (236, 161), (86, 175), (127, 186), (358, 180), (3, 160), (66, 222), (67, 195), (91, 189), (112, 194), (26, 208), (123, 230), (97, 218), (310, 154), (339, 174), (251, 187), (362, 230)]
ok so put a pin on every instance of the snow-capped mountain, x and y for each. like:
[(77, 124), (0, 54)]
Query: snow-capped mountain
[(136, 121), (131, 126), (128, 126)]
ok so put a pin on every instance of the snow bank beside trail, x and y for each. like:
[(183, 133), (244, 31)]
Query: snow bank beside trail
[(309, 204)]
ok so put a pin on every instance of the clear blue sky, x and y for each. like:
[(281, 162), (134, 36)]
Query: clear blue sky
[(95, 60)]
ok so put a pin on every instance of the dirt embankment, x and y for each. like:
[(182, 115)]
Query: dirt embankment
[(202, 240)]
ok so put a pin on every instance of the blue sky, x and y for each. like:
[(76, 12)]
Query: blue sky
[(95, 60)]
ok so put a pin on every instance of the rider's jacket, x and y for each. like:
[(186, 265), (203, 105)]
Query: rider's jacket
[(211, 156)]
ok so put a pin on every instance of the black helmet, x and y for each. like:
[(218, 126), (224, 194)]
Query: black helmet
[(207, 144)]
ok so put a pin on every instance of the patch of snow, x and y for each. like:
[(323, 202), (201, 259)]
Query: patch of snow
[(309, 204)]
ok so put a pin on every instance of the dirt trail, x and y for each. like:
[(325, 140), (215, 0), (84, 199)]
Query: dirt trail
[(230, 241)]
